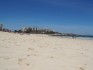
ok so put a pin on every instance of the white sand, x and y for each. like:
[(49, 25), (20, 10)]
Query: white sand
[(42, 52)]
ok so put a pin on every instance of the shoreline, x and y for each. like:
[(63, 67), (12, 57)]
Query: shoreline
[(70, 37)]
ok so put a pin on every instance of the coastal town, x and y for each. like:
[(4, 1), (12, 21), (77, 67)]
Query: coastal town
[(35, 30)]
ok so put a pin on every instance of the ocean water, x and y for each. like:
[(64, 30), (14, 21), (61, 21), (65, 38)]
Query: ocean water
[(83, 38)]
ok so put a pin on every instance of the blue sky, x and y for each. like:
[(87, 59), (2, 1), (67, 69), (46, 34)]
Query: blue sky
[(69, 16)]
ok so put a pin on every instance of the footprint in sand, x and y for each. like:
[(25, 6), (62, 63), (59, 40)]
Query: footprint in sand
[(81, 68), (30, 48), (27, 64), (28, 55), (22, 62), (51, 57), (54, 48), (7, 58), (3, 39), (82, 53)]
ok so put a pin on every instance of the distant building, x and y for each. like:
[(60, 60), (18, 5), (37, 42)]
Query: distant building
[(36, 30)]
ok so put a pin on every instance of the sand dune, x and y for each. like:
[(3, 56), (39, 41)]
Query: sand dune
[(43, 52)]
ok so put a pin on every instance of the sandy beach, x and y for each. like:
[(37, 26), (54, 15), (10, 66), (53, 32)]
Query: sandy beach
[(43, 52)]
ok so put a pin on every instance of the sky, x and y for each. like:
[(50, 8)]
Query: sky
[(68, 16)]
